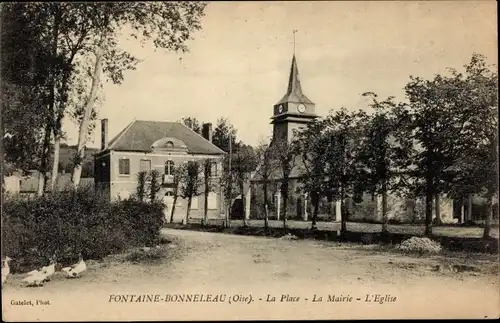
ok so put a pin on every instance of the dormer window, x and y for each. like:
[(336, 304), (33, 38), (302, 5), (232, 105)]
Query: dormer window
[(169, 144)]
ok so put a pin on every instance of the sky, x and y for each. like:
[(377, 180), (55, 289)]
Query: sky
[(239, 62)]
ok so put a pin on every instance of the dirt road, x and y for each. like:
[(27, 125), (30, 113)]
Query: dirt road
[(296, 273)]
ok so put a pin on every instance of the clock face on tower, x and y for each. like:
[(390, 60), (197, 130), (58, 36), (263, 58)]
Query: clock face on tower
[(280, 108), (301, 108)]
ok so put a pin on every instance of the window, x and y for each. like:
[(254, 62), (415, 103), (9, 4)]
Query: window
[(194, 203), (213, 169), (145, 165), (169, 167), (124, 166), (212, 201)]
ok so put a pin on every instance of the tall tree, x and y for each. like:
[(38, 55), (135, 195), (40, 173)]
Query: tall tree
[(344, 136), (311, 146), (207, 185), (228, 185), (26, 63), (168, 24), (178, 174), (381, 153), (243, 164), (191, 184), (266, 168), (284, 152), (224, 132)]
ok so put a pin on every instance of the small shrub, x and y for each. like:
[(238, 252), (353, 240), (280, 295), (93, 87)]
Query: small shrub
[(420, 245)]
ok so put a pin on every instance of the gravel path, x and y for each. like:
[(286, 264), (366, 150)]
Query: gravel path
[(240, 266)]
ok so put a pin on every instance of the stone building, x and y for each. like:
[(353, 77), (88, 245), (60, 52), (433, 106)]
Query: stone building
[(161, 146)]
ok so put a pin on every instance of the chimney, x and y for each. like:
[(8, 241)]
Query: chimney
[(207, 131), (104, 134)]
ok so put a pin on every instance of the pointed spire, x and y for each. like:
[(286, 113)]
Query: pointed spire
[(294, 91), (293, 80)]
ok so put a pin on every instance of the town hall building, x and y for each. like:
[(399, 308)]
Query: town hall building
[(162, 146)]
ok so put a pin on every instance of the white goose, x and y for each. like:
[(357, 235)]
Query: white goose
[(75, 270), (5, 269), (35, 280), (48, 271)]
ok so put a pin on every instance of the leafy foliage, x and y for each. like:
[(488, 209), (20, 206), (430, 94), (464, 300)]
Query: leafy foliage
[(142, 178), (191, 183), (192, 123), (154, 184), (69, 222), (224, 132)]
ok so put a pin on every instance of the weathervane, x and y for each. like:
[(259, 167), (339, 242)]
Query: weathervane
[(294, 31)]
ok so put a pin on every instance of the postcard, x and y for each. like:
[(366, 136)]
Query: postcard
[(175, 161)]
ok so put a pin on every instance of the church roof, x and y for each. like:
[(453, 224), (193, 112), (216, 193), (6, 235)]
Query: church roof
[(141, 135), (294, 91)]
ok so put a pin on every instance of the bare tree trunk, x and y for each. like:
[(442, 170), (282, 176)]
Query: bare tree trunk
[(228, 216), (55, 162), (343, 211), (172, 212), (437, 207), (207, 190), (243, 204), (488, 217), (428, 209), (462, 211), (44, 159), (469, 208), (266, 217), (188, 208), (284, 196), (315, 201), (84, 125), (264, 188), (384, 212)]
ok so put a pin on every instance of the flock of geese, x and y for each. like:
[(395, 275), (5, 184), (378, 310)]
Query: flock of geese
[(38, 277)]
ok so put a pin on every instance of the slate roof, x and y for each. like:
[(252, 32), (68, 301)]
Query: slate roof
[(294, 91), (140, 135)]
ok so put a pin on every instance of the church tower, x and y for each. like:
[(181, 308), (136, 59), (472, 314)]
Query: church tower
[(294, 110)]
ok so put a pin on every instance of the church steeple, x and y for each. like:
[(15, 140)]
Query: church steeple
[(294, 92), (294, 111)]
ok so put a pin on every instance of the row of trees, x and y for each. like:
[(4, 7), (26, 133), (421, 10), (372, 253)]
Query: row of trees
[(54, 56), (441, 140)]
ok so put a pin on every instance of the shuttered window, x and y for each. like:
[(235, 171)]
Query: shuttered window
[(124, 166)]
